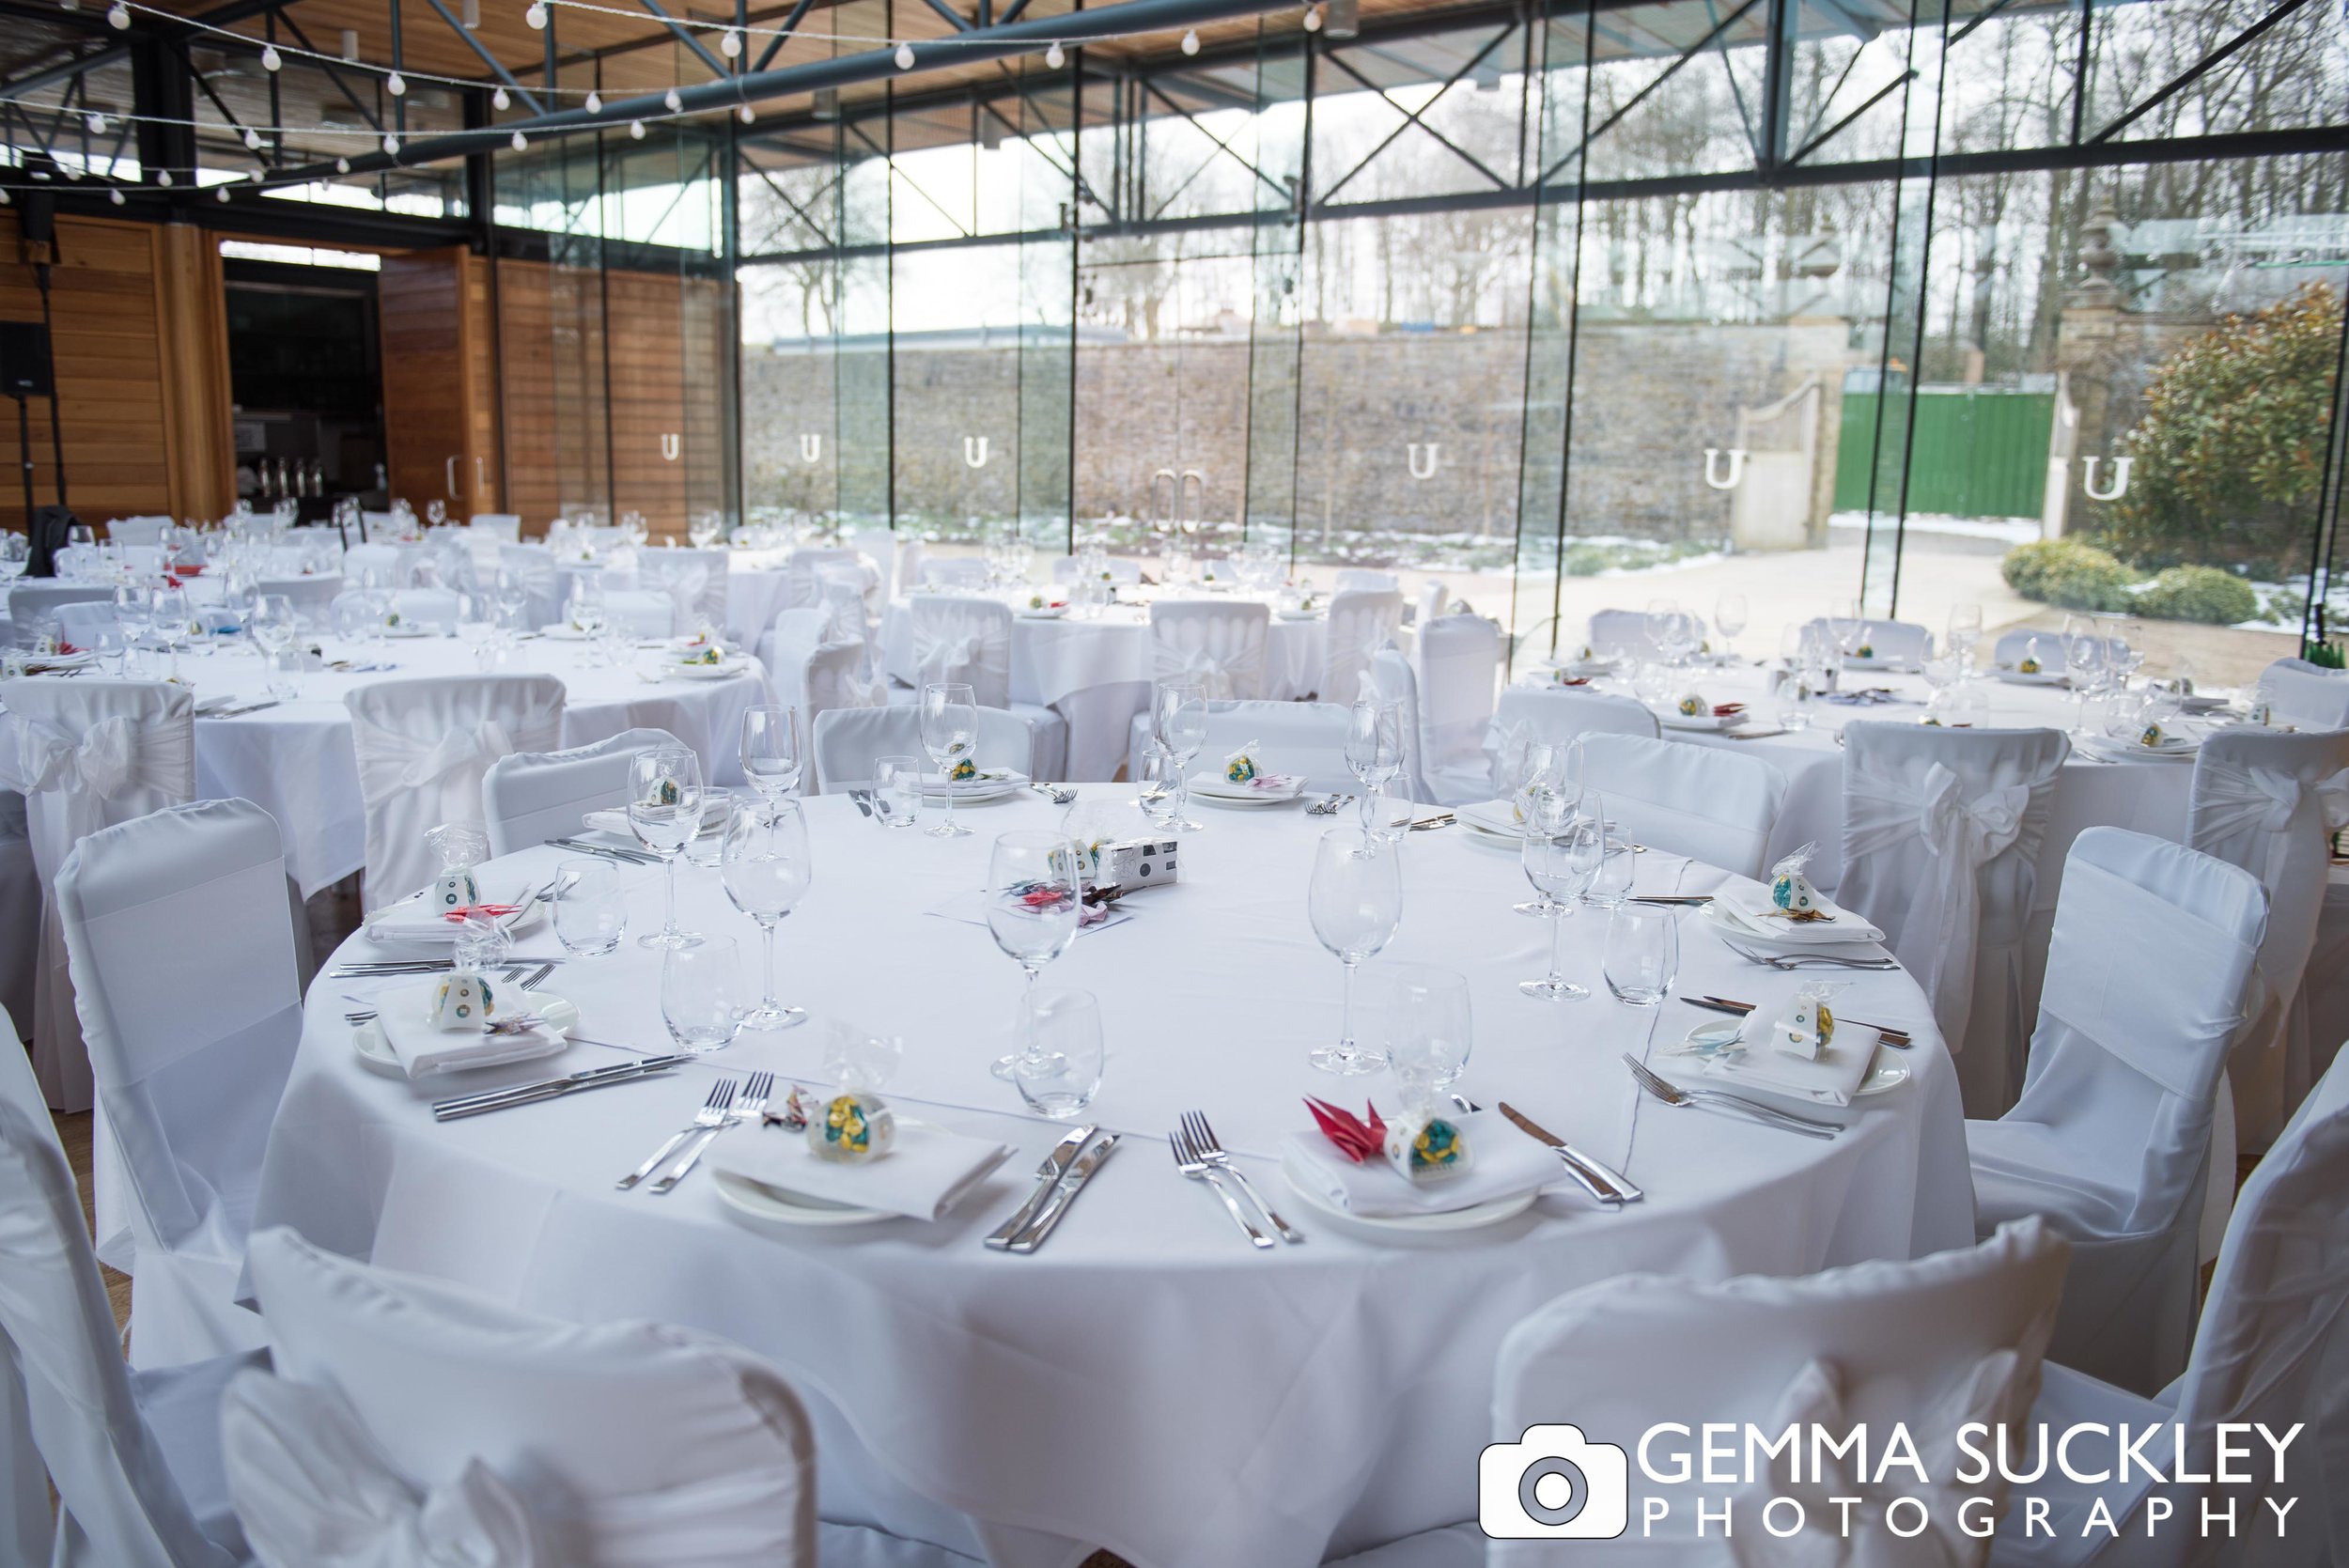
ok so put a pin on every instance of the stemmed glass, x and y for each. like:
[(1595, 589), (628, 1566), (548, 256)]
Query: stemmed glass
[(1355, 903), (950, 729), (1680, 635), (770, 752), (1178, 720), (1729, 619), (1373, 748), (1964, 632), (767, 871), (1033, 904), (2083, 662), (1546, 769), (1561, 854), (169, 606), (272, 625), (1660, 609), (664, 811)]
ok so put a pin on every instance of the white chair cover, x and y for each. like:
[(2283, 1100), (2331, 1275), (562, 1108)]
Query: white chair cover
[(423, 746), (505, 527), (1942, 829), (2272, 1347), (20, 910), (182, 946), (79, 624), (2305, 695), (630, 1445), (849, 738), (313, 596), (1220, 645), (391, 565), (641, 612), (530, 797), (1551, 716), (88, 753), (1360, 622), (2152, 949), (2270, 803), (694, 580), (1393, 682), (1902, 642), (432, 607), (1617, 633), (31, 603), (137, 531), (877, 549), (1297, 738), (533, 566), (801, 577), (1949, 1339), (126, 1499), (968, 640), (1712, 805), (1430, 602), (1457, 660)]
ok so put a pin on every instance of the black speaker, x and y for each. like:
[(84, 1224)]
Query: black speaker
[(24, 360)]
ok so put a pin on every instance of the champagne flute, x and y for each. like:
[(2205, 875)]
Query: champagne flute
[(1355, 903), (1179, 718), (771, 760), (950, 731), (664, 811), (1034, 905), (765, 869)]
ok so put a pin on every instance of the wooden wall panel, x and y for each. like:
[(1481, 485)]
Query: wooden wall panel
[(428, 426), (526, 324)]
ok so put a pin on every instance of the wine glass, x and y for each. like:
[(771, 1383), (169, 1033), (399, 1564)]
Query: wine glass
[(1964, 632), (169, 608), (765, 869), (1551, 769), (1660, 610), (1033, 904), (1374, 747), (1729, 619), (436, 513), (770, 752), (1355, 903), (950, 731), (1178, 721), (664, 811), (1561, 854), (1681, 634), (272, 623)]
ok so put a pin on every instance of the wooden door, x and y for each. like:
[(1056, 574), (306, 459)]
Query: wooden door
[(439, 413)]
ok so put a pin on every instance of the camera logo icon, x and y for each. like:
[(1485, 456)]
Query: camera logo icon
[(1553, 1485)]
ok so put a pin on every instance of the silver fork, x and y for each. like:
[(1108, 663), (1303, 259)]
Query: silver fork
[(747, 1108), (1811, 960), (1190, 1164), (1713, 1099), (1060, 795), (711, 1115), (1203, 1141)]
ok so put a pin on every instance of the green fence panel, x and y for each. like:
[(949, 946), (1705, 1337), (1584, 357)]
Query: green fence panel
[(1978, 452)]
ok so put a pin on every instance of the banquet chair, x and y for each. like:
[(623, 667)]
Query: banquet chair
[(182, 946), (78, 624), (792, 635), (1618, 634), (1896, 642), (1709, 804), (2153, 950), (1307, 738), (1942, 830), (532, 565), (2306, 697), (1352, 580), (32, 603), (848, 739), (802, 577), (423, 746), (693, 580), (20, 911), (88, 753), (135, 1457), (2271, 1347), (137, 531), (432, 607), (957, 638), (1121, 569), (1553, 715), (876, 549), (1430, 602), (530, 797), (1934, 1344), (1359, 623), (505, 527), (1394, 684), (1457, 660), (1218, 643), (313, 596), (641, 612)]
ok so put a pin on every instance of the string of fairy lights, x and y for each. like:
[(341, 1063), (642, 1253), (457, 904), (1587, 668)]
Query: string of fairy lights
[(732, 41)]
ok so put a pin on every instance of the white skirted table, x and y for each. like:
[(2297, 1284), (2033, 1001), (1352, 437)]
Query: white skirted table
[(1146, 1382)]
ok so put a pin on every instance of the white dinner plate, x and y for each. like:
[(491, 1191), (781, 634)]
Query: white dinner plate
[(530, 917), (1717, 915), (1887, 1073), (988, 785), (726, 671), (1049, 612), (1474, 1218), (1493, 819), (2016, 677), (377, 1056), (1708, 723), (2126, 751), (410, 630), (1299, 614), (761, 1201), (1212, 789)]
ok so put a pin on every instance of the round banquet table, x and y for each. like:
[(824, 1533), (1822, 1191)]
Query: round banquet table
[(1147, 1381), (295, 760)]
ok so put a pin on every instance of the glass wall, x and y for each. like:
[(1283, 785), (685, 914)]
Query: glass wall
[(1816, 302)]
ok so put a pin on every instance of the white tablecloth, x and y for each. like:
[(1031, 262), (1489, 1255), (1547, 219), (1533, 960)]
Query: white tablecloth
[(295, 760), (1341, 1388)]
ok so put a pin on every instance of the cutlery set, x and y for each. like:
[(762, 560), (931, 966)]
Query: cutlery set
[(1602, 1183), (608, 851), (1897, 1038), (1728, 1104), (724, 1109), (391, 969), (238, 712), (554, 1088), (1808, 960), (1063, 1173), (1329, 806)]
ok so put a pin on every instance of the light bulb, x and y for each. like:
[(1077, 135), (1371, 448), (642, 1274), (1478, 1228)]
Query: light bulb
[(253, 140), (905, 56), (342, 165), (1056, 56), (746, 113), (730, 44), (255, 175), (671, 102), (595, 101), (536, 16), (501, 100), (115, 196), (395, 84), (391, 145), (1312, 19), (1190, 41), (97, 124), (118, 16), (270, 59), (520, 141), (5, 199), (221, 195), (163, 177), (636, 130)]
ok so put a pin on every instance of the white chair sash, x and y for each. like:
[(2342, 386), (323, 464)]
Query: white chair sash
[(940, 652), (391, 760), (1964, 835), (114, 756), (2238, 800)]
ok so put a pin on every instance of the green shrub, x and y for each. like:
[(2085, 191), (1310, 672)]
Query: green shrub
[(2068, 573), (2199, 594), (2326, 654)]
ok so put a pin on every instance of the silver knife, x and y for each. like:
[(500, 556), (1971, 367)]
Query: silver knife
[(863, 801), (1605, 1184), (1064, 1194), (530, 1093), (1056, 1163), (633, 857)]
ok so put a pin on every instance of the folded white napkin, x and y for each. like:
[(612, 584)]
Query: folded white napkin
[(1263, 784), (926, 1173), (1494, 817), (413, 920), (1739, 902), (405, 1016), (615, 822), (1503, 1162), (1831, 1080)]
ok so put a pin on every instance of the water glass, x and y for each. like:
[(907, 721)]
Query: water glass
[(1423, 1013), (1643, 954), (897, 791), (1355, 903), (1057, 1068), (1159, 790), (709, 844), (702, 994), (286, 668), (590, 907)]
